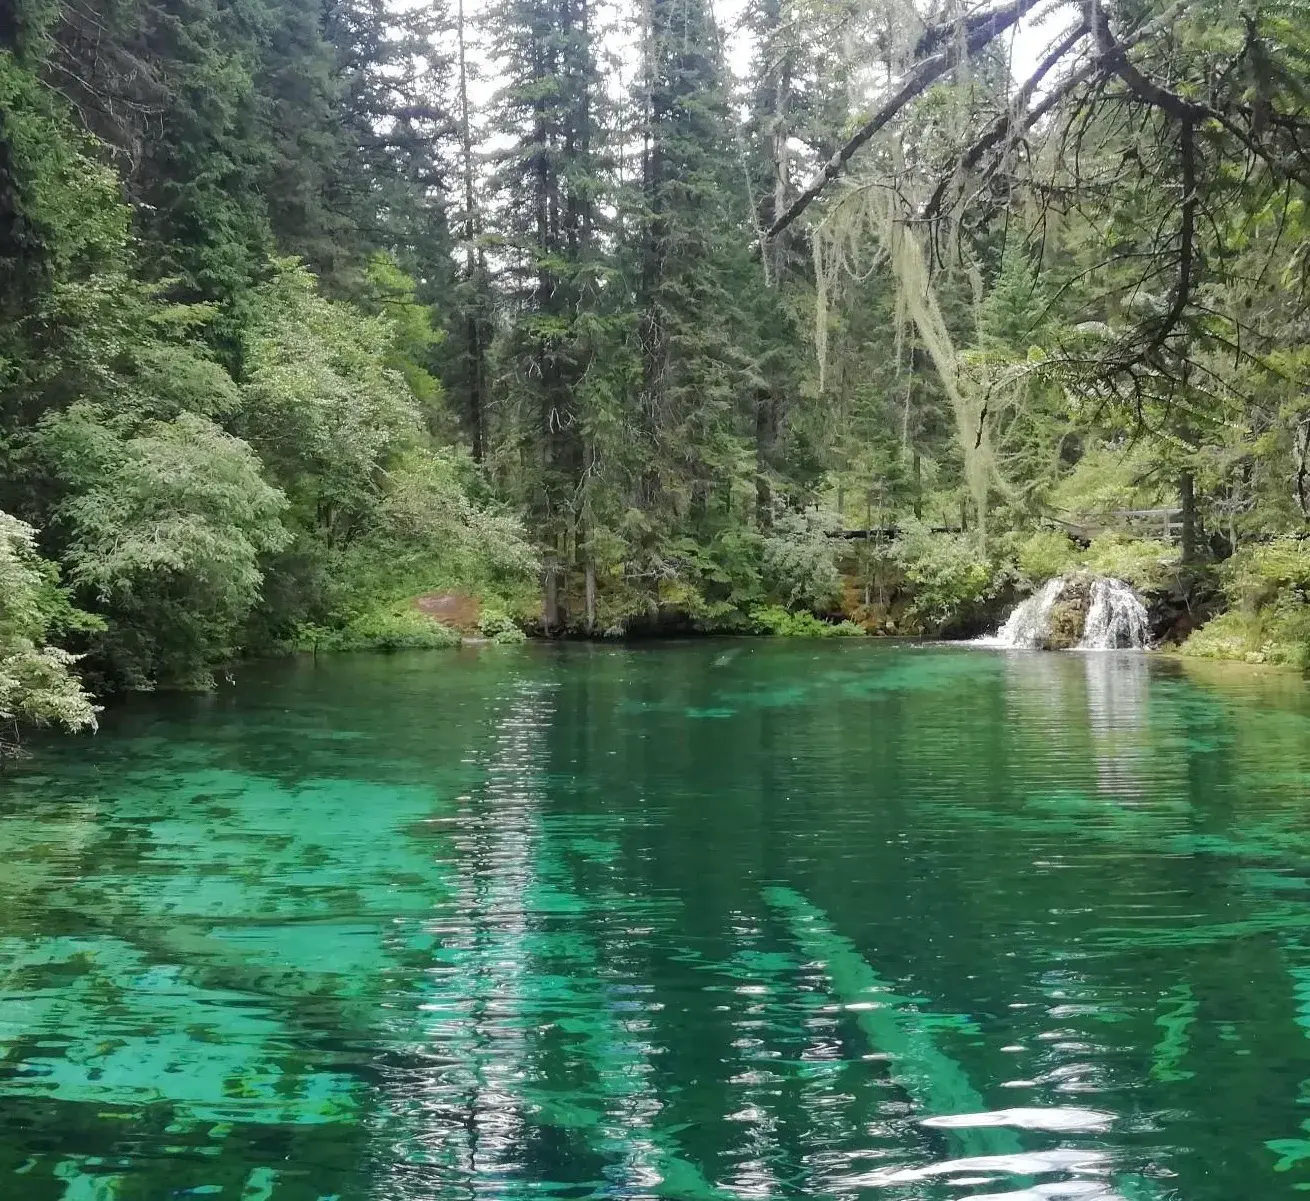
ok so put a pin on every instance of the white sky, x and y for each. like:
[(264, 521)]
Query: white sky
[(1029, 41), (613, 19)]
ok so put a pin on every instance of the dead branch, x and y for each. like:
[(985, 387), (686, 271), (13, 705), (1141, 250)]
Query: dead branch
[(983, 30)]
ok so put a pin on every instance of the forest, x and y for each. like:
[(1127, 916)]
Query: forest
[(624, 317)]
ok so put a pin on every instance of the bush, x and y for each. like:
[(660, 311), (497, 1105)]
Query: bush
[(37, 684), (380, 629), (170, 528), (1267, 584), (799, 561), (1046, 554), (1257, 574), (500, 628), (950, 581), (1145, 563), (783, 623), (1278, 634)]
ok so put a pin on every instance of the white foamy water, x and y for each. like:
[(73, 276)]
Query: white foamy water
[(1029, 621), (1116, 618)]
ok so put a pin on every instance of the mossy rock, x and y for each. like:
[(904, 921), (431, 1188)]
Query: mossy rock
[(1066, 625), (1069, 616)]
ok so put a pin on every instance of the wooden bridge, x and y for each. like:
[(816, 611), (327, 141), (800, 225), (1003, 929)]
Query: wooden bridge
[(888, 532), (1166, 524)]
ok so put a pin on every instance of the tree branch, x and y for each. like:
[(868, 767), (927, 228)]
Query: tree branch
[(1186, 233), (982, 31), (1008, 120)]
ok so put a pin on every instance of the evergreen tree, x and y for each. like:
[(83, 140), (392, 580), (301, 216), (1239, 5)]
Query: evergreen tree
[(550, 177), (695, 453)]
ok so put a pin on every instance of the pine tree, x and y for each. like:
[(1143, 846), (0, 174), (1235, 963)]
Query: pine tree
[(471, 315), (549, 179), (692, 370), (388, 185)]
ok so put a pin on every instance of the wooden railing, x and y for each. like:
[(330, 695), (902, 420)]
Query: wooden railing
[(1166, 524)]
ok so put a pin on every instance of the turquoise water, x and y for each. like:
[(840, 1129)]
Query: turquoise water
[(716, 920)]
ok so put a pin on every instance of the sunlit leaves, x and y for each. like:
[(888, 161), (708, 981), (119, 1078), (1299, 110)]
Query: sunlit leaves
[(37, 684)]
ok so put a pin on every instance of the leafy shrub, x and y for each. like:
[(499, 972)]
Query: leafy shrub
[(949, 581), (1258, 573), (37, 684), (713, 583), (799, 564), (1146, 563), (380, 629), (500, 627), (1046, 554), (169, 528), (1278, 634), (1267, 584), (783, 623)]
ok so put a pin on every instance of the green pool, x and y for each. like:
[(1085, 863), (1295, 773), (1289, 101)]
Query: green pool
[(706, 920)]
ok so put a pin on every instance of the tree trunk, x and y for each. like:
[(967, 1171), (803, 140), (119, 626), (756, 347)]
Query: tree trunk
[(550, 597), (1301, 474), (766, 435), (477, 425), (472, 327), (1187, 502), (778, 247), (591, 594)]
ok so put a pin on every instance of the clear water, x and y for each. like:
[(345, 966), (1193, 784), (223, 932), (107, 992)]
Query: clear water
[(709, 921)]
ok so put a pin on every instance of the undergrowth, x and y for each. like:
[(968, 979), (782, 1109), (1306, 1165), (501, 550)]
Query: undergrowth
[(783, 623), (399, 628)]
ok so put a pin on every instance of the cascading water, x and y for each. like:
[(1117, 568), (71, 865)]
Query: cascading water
[(1116, 618), (1112, 617), (1030, 622)]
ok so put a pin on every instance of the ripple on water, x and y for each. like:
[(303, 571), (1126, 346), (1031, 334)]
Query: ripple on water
[(696, 924)]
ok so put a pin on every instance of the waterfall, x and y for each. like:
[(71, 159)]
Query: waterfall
[(1110, 614), (1030, 621), (1116, 618)]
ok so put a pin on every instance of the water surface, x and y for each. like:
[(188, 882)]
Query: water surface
[(718, 920)]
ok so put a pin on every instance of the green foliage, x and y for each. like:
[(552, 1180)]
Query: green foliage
[(1268, 584), (799, 560), (784, 623), (1043, 555), (952, 585), (1144, 563), (393, 295), (226, 450), (500, 627), (166, 536), (1109, 478), (1278, 634), (325, 413), (377, 513), (37, 684), (1262, 572), (65, 208), (393, 628)]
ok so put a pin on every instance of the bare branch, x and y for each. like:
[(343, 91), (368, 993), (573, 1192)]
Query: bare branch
[(1186, 234), (1009, 119), (982, 30)]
